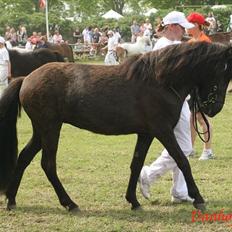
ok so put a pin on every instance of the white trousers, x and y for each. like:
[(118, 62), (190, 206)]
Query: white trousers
[(3, 79), (166, 163), (110, 58)]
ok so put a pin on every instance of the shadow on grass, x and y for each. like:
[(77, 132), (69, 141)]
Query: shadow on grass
[(162, 212)]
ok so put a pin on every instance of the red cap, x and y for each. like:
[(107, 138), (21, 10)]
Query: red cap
[(197, 18)]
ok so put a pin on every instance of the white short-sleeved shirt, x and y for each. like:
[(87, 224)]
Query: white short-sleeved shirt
[(4, 60), (112, 43), (163, 42), (4, 57)]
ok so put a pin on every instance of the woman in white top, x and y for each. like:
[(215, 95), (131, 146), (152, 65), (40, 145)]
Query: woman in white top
[(173, 28), (5, 68)]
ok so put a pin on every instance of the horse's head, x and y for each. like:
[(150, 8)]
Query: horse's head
[(145, 40), (212, 91)]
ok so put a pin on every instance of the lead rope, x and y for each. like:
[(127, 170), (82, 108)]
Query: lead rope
[(196, 105)]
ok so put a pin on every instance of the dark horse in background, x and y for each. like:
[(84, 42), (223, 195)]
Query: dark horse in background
[(143, 95), (23, 63), (221, 37), (64, 49)]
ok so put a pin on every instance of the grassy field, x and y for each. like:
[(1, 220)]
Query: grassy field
[(95, 170)]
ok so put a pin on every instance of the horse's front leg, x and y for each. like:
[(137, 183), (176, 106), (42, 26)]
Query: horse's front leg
[(142, 146), (174, 150)]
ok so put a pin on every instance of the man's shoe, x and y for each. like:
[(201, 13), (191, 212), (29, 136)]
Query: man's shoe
[(176, 200), (144, 185), (206, 156)]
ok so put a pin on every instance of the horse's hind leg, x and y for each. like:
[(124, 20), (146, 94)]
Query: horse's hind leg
[(25, 157), (49, 148)]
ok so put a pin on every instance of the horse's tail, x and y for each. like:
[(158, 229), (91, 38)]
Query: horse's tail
[(9, 110)]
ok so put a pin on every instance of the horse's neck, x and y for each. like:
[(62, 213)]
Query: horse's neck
[(182, 88), (141, 41)]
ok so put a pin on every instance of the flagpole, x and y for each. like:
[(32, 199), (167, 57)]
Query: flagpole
[(46, 13)]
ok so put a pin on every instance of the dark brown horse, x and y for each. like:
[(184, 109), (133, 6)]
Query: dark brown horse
[(221, 37), (64, 49), (143, 95), (23, 63)]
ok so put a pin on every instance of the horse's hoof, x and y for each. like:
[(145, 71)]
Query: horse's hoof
[(11, 206), (137, 208), (200, 206), (73, 208)]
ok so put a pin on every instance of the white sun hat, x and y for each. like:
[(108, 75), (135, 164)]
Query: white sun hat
[(176, 17), (2, 40), (110, 32)]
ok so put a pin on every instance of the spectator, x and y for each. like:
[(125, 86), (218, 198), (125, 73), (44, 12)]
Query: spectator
[(22, 35), (142, 28), (96, 35), (34, 38), (5, 67), (7, 33), (103, 39), (110, 58), (117, 35), (87, 35), (77, 35), (57, 38), (212, 27), (135, 30), (42, 43), (13, 37), (229, 28), (147, 28)]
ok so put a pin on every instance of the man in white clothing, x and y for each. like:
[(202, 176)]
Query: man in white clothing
[(173, 28), (5, 67), (110, 58)]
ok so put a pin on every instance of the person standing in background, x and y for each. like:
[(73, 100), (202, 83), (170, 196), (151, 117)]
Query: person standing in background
[(197, 35), (212, 23), (57, 38), (135, 30), (110, 58)]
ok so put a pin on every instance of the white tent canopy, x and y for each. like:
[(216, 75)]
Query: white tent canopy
[(111, 14), (151, 11), (219, 7)]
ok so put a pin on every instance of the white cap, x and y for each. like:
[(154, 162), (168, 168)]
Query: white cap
[(2, 40), (110, 32), (176, 17)]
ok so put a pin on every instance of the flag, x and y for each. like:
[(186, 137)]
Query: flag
[(42, 4)]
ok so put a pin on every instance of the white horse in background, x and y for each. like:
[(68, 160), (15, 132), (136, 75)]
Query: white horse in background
[(143, 44)]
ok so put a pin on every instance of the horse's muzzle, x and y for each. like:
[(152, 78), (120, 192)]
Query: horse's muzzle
[(213, 109)]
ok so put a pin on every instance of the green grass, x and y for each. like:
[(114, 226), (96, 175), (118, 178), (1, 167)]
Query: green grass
[(94, 169)]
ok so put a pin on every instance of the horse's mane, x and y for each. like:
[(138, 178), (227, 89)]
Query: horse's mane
[(165, 64)]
